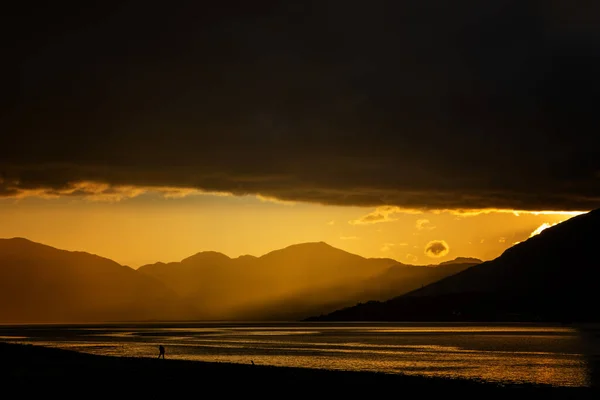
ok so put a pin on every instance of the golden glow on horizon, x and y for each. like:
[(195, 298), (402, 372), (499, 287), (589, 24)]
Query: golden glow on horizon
[(169, 224), (389, 213)]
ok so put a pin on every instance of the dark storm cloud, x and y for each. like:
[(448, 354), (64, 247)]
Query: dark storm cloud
[(418, 104)]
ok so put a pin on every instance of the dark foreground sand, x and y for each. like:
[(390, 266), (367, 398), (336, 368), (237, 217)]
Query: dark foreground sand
[(33, 369)]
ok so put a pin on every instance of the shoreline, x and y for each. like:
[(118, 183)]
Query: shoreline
[(26, 366)]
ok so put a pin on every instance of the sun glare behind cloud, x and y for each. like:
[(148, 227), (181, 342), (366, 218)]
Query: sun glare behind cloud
[(541, 228)]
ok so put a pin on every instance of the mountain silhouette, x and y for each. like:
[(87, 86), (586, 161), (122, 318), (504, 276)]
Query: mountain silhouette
[(395, 280), (549, 277), (462, 260), (39, 283), (290, 283)]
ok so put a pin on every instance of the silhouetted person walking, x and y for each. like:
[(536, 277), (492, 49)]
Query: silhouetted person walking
[(161, 353)]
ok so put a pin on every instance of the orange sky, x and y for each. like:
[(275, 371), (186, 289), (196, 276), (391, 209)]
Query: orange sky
[(149, 227)]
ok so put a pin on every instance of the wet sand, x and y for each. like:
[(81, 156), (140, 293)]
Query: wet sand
[(35, 369)]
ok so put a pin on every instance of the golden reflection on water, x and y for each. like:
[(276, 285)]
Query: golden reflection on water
[(543, 355)]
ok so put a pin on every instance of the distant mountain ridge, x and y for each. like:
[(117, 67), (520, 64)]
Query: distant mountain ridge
[(39, 283), (290, 283), (462, 260), (393, 281), (549, 277)]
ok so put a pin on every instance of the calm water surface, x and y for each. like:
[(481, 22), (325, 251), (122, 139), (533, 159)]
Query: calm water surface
[(554, 355)]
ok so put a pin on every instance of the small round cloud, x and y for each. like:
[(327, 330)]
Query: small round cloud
[(437, 248)]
